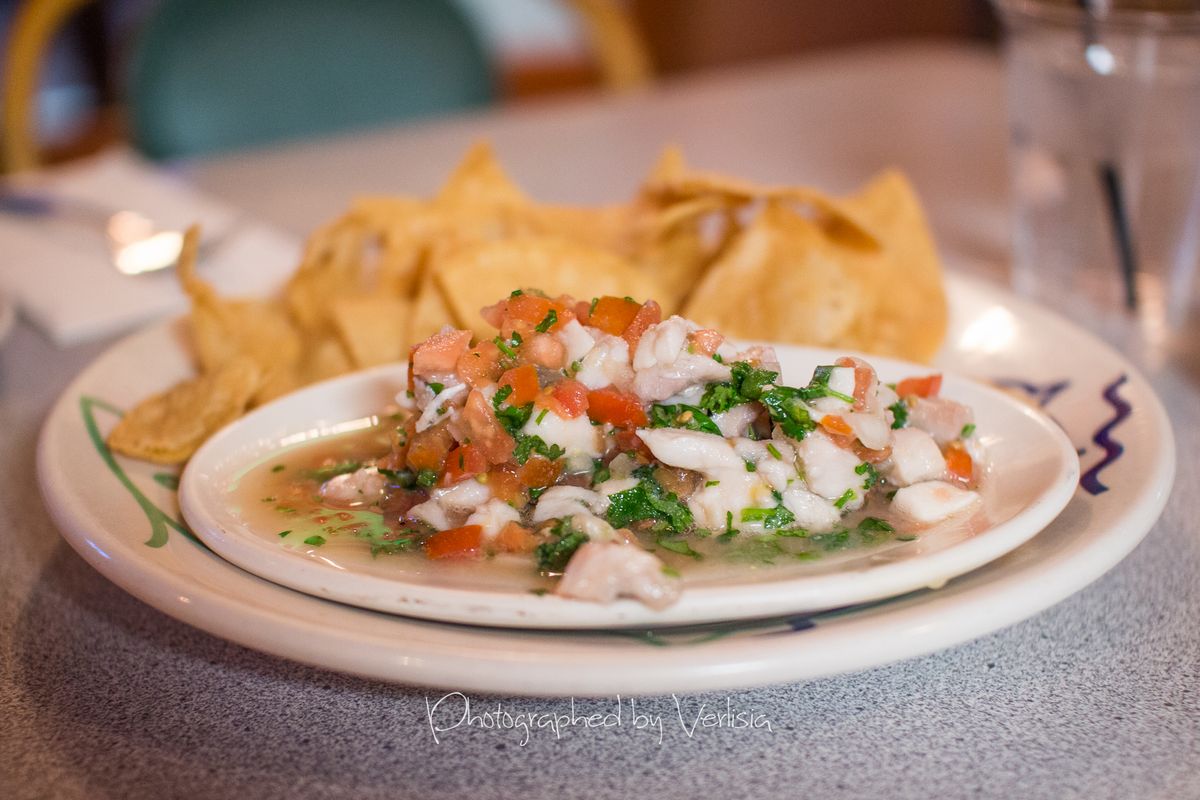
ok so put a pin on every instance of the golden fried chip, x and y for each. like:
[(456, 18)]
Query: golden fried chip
[(909, 316), (479, 179), (372, 328), (473, 277), (167, 428), (430, 311), (781, 279)]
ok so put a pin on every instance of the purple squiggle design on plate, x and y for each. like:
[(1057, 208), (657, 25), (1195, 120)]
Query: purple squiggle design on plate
[(1090, 480)]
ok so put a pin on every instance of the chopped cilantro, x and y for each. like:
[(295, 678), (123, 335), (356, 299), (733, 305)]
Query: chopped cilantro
[(967, 430), (684, 416), (757, 550), (512, 418), (899, 414), (730, 531), (787, 408), (278, 468), (528, 445), (553, 555), (751, 466), (774, 451), (711, 483), (875, 524), (542, 415), (871, 475), (516, 293), (793, 533), (678, 546), (323, 474), (717, 358), (535, 492), (315, 540), (670, 571), (436, 388), (548, 322), (600, 472), (576, 366), (508, 346), (906, 538), (426, 478), (819, 386), (592, 307), (648, 501), (283, 534), (771, 518), (834, 540), (846, 497)]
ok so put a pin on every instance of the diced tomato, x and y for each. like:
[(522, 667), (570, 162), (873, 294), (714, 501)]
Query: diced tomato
[(538, 472), (959, 463), (570, 399), (485, 431), (626, 440), (649, 314), (524, 383), (864, 377), (505, 485), (622, 409), (514, 538), (535, 310), (835, 424), (439, 353), (464, 461), (705, 341), (464, 542), (928, 386), (428, 449), (583, 311), (479, 366), (613, 314)]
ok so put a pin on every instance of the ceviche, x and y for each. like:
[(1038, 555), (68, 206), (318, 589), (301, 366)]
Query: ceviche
[(606, 447)]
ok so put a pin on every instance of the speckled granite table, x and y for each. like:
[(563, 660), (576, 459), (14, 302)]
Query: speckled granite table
[(1098, 697)]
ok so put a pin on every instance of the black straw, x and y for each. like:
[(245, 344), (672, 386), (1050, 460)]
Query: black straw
[(1111, 180), (1111, 184)]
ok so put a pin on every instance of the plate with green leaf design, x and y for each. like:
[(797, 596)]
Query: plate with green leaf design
[(123, 517)]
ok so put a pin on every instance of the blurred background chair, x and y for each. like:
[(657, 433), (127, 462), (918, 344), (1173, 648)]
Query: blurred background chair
[(212, 75)]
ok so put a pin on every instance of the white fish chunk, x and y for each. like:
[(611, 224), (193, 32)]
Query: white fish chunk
[(492, 516), (944, 419), (579, 438), (601, 572), (812, 511), (606, 364), (932, 501), (692, 450), (915, 458), (565, 501), (364, 486), (830, 471), (576, 340)]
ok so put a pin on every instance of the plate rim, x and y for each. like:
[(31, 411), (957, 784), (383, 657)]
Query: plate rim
[(918, 626)]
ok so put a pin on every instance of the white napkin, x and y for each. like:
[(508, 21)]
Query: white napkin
[(59, 271)]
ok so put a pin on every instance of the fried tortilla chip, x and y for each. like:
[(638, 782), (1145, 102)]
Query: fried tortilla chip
[(167, 428), (372, 328), (780, 279), (472, 275), (910, 315)]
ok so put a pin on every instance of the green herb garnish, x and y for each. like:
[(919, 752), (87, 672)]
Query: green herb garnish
[(548, 322), (899, 411), (436, 388), (846, 497), (683, 416), (871, 474), (678, 546), (967, 430), (315, 540), (552, 556), (427, 478), (648, 500)]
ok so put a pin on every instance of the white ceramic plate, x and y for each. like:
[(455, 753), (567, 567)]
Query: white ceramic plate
[(1031, 473), (122, 517)]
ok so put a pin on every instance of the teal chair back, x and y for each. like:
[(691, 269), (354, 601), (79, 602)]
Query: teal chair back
[(212, 75)]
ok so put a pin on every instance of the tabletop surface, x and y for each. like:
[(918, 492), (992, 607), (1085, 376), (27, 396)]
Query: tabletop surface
[(1097, 697)]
